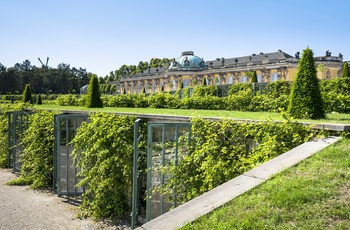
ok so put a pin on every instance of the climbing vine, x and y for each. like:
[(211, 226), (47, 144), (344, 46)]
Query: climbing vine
[(222, 150), (37, 155), (103, 149)]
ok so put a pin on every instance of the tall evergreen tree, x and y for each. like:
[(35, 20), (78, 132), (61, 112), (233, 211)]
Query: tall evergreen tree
[(305, 100), (27, 95), (204, 82), (39, 102), (254, 77), (93, 97), (345, 72)]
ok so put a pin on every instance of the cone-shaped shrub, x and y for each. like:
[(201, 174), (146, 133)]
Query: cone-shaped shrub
[(27, 94), (39, 102), (305, 99), (345, 72), (93, 97), (254, 77), (204, 82)]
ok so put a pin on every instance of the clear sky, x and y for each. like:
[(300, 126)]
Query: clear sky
[(102, 35)]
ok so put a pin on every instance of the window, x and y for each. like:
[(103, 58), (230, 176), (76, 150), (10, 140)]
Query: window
[(154, 87), (230, 80), (259, 77), (274, 77), (244, 79), (185, 83)]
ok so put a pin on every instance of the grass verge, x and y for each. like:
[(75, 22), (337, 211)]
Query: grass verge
[(331, 118), (315, 194)]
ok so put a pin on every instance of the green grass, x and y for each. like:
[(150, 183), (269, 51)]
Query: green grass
[(312, 195), (331, 118)]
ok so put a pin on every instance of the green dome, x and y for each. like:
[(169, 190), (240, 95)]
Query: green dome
[(188, 61)]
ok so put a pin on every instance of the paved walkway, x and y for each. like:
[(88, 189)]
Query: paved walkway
[(222, 194), (24, 208)]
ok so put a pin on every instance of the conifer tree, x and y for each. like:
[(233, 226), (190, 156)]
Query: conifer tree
[(254, 77), (39, 102), (305, 100), (93, 97), (204, 82), (345, 72), (27, 94)]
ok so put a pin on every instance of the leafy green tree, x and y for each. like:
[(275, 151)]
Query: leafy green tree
[(27, 95), (345, 72), (306, 100), (93, 97), (254, 77)]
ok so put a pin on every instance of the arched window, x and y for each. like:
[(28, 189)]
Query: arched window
[(274, 77), (132, 87), (146, 87), (139, 88), (259, 77), (230, 80), (174, 85), (154, 87), (217, 81), (244, 79), (126, 88), (185, 83)]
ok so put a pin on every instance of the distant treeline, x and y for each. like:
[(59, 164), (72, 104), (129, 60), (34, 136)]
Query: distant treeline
[(60, 80), (63, 79)]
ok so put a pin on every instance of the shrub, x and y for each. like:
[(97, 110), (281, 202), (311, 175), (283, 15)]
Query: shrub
[(202, 91), (306, 101), (93, 97), (254, 77), (345, 73), (37, 156), (27, 95), (67, 100), (39, 102), (106, 162), (221, 150), (236, 88)]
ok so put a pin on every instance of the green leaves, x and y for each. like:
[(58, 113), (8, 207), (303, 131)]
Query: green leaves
[(37, 156), (221, 150), (104, 150), (305, 100)]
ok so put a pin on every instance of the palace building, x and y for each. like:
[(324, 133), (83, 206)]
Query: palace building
[(189, 70)]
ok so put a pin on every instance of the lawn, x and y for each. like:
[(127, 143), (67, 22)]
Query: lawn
[(331, 118), (312, 195)]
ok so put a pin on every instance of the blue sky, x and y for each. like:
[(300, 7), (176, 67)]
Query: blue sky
[(103, 35)]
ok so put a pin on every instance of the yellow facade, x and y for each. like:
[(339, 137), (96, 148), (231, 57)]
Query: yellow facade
[(269, 67)]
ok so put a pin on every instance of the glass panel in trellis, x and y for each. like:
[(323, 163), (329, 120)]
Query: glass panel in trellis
[(18, 122), (66, 170), (167, 143)]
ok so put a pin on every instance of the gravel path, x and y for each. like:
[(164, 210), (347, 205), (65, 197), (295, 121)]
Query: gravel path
[(24, 208)]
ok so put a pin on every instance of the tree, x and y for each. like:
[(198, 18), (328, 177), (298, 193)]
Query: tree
[(39, 102), (254, 77), (345, 73), (204, 82), (27, 95), (305, 100), (93, 97)]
